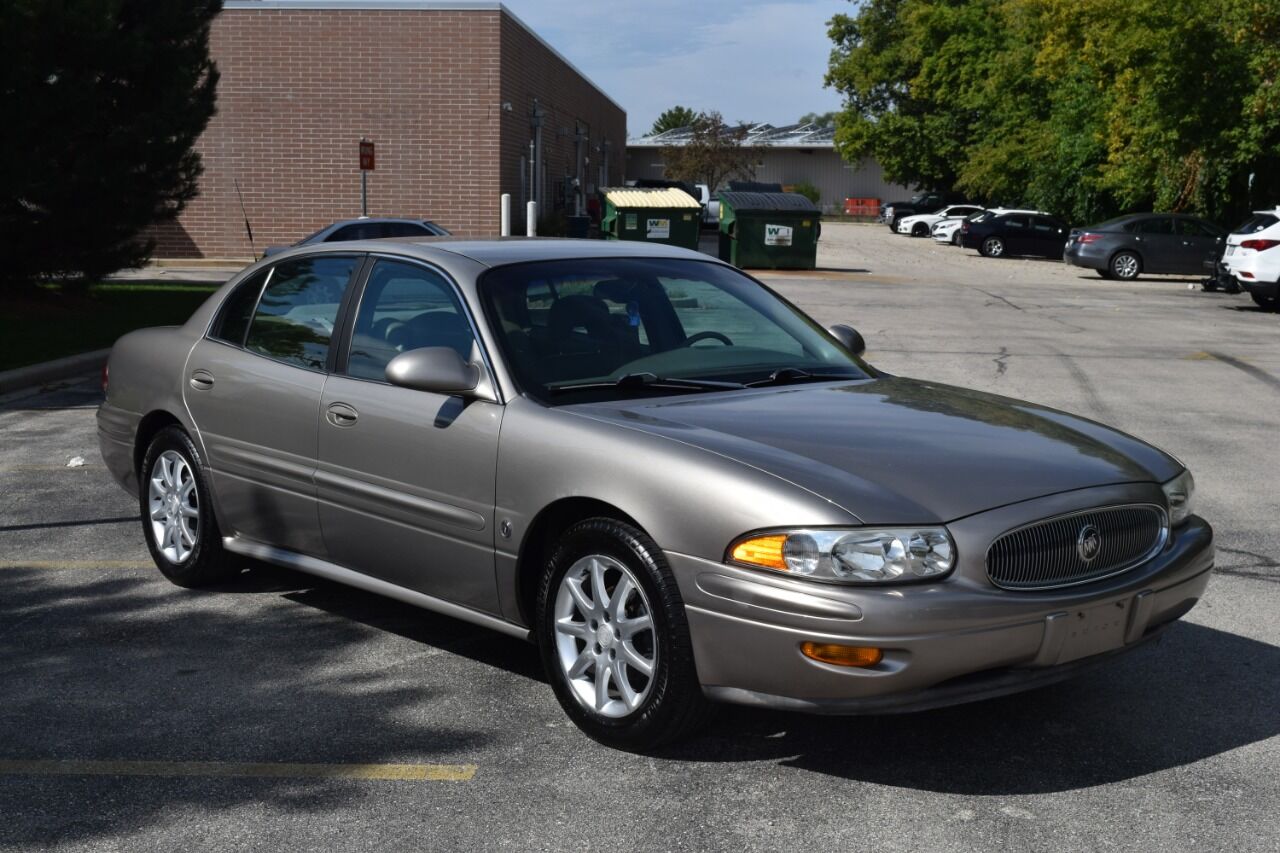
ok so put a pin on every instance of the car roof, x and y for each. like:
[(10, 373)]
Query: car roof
[(501, 251), (383, 219)]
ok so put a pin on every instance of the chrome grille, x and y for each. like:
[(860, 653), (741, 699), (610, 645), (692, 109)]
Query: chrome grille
[(1047, 554)]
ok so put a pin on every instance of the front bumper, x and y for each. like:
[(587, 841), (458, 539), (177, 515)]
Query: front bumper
[(944, 643)]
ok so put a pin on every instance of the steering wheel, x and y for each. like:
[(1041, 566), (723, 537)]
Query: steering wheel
[(706, 336)]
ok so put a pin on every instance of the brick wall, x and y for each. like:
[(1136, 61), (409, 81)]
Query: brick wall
[(300, 87)]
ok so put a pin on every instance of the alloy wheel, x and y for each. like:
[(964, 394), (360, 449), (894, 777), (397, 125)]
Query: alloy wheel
[(173, 507), (605, 640), (994, 247), (1125, 266)]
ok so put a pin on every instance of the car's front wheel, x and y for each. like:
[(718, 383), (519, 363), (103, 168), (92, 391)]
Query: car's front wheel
[(1266, 303), (614, 638), (177, 513), (919, 230), (1125, 266), (992, 247)]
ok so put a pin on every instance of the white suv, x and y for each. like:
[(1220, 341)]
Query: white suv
[(1253, 257)]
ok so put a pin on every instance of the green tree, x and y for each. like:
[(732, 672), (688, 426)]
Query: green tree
[(101, 101), (1083, 107), (820, 119), (673, 118), (715, 153)]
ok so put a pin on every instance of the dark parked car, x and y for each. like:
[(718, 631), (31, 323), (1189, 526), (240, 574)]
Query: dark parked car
[(1145, 242), (1015, 234), (892, 212), (366, 228)]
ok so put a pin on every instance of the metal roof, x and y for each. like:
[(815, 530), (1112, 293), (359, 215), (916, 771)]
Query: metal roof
[(768, 201), (623, 197), (418, 5), (789, 136)]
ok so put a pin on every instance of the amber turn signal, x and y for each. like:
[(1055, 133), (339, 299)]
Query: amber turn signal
[(839, 655), (764, 551)]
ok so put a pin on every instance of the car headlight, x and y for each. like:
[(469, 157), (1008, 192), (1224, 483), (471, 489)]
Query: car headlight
[(1178, 493), (852, 555)]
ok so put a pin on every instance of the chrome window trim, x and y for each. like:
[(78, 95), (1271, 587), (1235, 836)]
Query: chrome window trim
[(1161, 541)]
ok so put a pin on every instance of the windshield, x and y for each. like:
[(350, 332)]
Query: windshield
[(594, 321)]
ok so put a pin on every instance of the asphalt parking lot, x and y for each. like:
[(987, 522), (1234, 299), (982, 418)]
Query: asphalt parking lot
[(286, 713)]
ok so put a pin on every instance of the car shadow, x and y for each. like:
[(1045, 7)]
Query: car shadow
[(1200, 693)]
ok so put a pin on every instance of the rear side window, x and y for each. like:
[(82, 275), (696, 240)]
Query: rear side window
[(296, 315), (359, 231), (1015, 222), (1157, 225), (237, 310), (403, 229), (1043, 224), (1196, 228)]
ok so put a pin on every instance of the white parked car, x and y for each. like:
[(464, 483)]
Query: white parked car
[(948, 231), (710, 205), (1253, 257), (919, 224)]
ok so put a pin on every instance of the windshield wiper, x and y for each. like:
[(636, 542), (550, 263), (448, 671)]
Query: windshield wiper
[(787, 375), (650, 380)]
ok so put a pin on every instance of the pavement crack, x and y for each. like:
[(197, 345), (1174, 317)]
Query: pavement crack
[(1082, 379), (999, 297), (1001, 361)]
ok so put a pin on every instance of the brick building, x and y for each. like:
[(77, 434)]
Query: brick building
[(459, 98)]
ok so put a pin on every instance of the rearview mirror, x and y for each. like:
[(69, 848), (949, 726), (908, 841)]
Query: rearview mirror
[(848, 338), (437, 369)]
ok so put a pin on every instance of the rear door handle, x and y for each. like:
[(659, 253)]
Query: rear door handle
[(201, 380), (341, 415)]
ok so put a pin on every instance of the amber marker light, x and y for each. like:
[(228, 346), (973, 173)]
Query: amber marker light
[(763, 551), (839, 655)]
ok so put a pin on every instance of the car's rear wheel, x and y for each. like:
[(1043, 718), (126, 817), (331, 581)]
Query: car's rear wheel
[(992, 247), (1266, 303), (1125, 266), (614, 638), (177, 513)]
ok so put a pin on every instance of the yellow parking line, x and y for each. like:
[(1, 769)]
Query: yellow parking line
[(222, 769), (56, 565)]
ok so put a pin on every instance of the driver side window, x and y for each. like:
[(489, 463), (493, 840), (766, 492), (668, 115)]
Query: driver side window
[(296, 314)]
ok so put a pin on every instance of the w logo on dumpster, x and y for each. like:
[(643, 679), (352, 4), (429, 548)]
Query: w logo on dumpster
[(777, 235)]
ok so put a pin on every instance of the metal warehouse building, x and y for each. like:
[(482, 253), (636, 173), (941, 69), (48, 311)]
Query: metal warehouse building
[(461, 99), (789, 155)]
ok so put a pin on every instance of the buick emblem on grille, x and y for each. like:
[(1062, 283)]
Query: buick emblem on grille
[(1088, 543)]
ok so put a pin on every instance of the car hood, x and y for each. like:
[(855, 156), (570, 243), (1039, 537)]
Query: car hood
[(892, 450)]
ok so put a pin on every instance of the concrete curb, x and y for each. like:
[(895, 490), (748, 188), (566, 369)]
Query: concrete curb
[(49, 371)]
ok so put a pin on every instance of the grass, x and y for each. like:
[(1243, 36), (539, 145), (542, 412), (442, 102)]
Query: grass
[(52, 323)]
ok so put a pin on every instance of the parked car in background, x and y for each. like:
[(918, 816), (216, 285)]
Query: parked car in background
[(642, 459), (1002, 234), (918, 203), (1253, 257), (947, 231), (1156, 243), (918, 224), (366, 228), (710, 205)]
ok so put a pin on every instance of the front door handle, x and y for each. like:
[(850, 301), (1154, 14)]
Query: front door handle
[(341, 415), (201, 380)]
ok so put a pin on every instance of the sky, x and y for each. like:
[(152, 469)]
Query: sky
[(753, 60)]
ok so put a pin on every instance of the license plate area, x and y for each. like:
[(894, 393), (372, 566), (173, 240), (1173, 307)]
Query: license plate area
[(1094, 630)]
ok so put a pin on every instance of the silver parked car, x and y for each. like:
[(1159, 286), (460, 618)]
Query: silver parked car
[(677, 484)]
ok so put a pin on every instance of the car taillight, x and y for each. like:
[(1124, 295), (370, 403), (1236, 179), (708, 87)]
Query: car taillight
[(1259, 245), (105, 372), (1088, 237)]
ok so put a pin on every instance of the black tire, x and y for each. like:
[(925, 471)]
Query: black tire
[(1104, 273), (674, 705), (207, 563), (919, 230), (955, 238), (1125, 266), (1266, 303), (992, 247)]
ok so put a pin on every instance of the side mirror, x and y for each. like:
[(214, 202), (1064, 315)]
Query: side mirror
[(437, 369), (848, 338)]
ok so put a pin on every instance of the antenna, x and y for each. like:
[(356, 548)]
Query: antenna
[(247, 227)]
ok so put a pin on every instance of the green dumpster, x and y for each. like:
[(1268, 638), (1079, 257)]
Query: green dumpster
[(667, 216), (769, 230)]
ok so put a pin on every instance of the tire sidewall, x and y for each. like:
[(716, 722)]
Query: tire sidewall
[(200, 563), (643, 727)]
